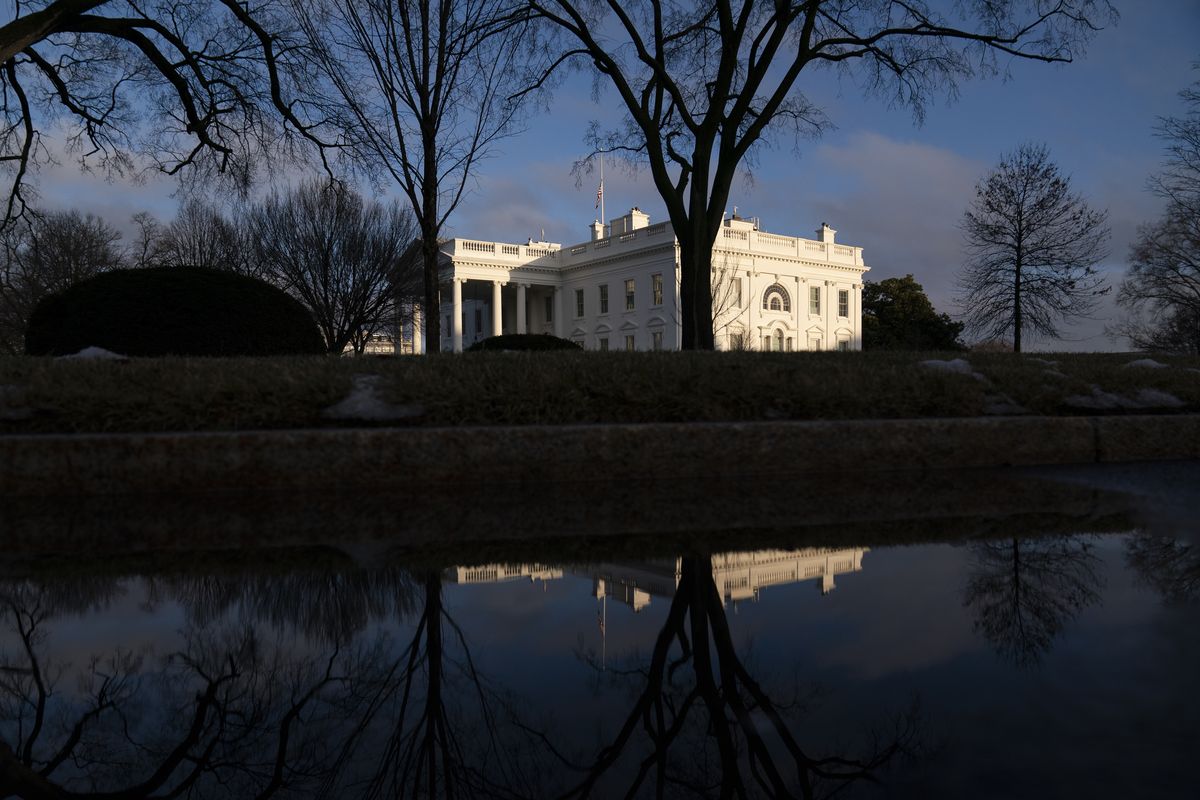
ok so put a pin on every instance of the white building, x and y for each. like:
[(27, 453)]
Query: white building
[(620, 289)]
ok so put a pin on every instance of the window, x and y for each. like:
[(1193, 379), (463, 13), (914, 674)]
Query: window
[(814, 300), (630, 286), (604, 299), (656, 284), (656, 340), (629, 342), (843, 344), (478, 321), (778, 341), (603, 342), (737, 341), (737, 292), (843, 303), (579, 302), (549, 308), (776, 298)]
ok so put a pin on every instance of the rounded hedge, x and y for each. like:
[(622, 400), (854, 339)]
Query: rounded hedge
[(187, 311), (523, 341)]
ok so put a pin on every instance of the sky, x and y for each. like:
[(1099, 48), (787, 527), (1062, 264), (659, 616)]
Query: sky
[(893, 187)]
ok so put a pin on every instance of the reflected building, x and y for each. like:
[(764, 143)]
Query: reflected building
[(738, 576), (502, 573)]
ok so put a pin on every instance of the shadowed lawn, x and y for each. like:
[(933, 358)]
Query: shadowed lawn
[(48, 395)]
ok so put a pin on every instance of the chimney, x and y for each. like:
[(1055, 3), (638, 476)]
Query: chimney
[(597, 229), (825, 233)]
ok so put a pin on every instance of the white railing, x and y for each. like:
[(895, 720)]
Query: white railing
[(814, 247), (510, 249), (478, 247)]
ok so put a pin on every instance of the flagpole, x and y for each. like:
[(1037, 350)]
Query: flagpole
[(603, 219)]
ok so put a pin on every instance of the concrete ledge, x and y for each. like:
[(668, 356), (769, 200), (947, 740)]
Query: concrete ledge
[(372, 458)]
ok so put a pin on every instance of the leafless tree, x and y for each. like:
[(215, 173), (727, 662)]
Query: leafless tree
[(702, 83), (1163, 283), (225, 715), (202, 236), (427, 87), (1170, 565), (696, 694), (1031, 245), (1024, 591), (45, 254), (340, 255), (211, 84)]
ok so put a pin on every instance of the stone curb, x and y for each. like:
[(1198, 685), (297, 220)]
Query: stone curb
[(410, 457)]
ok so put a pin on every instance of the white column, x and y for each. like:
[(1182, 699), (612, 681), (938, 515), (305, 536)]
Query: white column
[(856, 315), (456, 331), (418, 329), (521, 287), (830, 315), (497, 309), (558, 312)]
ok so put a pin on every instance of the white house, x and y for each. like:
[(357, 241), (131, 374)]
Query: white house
[(620, 289)]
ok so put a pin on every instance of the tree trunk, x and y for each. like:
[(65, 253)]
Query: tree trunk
[(695, 270), (1017, 303)]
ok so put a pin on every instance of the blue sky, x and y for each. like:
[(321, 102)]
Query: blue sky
[(892, 187)]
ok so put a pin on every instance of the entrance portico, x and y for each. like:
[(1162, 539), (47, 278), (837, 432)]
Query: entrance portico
[(482, 308)]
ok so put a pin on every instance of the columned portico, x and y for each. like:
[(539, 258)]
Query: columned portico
[(521, 327), (558, 312), (456, 332), (497, 309)]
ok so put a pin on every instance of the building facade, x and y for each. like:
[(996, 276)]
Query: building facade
[(620, 289)]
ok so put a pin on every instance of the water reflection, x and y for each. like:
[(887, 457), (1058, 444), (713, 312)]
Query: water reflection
[(387, 682), (1023, 592)]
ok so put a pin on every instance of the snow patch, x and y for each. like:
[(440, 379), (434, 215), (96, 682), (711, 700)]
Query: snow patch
[(365, 403), (958, 365), (1042, 361), (97, 353), (1107, 401), (1147, 363), (1000, 404)]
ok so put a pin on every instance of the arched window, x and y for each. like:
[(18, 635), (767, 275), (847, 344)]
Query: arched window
[(776, 298)]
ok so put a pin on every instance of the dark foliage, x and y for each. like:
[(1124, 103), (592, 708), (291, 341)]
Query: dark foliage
[(173, 311), (898, 316), (523, 341)]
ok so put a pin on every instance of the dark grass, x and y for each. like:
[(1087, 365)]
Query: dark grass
[(179, 394)]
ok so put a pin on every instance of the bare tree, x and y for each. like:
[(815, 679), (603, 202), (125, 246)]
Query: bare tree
[(427, 87), (1032, 246), (1024, 591), (225, 715), (201, 236), (211, 84), (1164, 274), (710, 728), (336, 253), (703, 82), (46, 254)]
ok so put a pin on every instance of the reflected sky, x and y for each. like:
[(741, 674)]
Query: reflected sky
[(1033, 667)]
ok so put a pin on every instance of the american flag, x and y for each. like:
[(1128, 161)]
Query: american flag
[(599, 194)]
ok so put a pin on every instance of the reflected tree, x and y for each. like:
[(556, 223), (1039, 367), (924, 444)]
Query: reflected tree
[(1170, 566), (225, 714), (429, 724), (1024, 592), (698, 695)]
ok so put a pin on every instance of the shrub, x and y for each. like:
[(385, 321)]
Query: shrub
[(188, 311), (524, 341)]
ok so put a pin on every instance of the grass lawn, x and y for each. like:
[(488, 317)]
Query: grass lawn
[(179, 394)]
